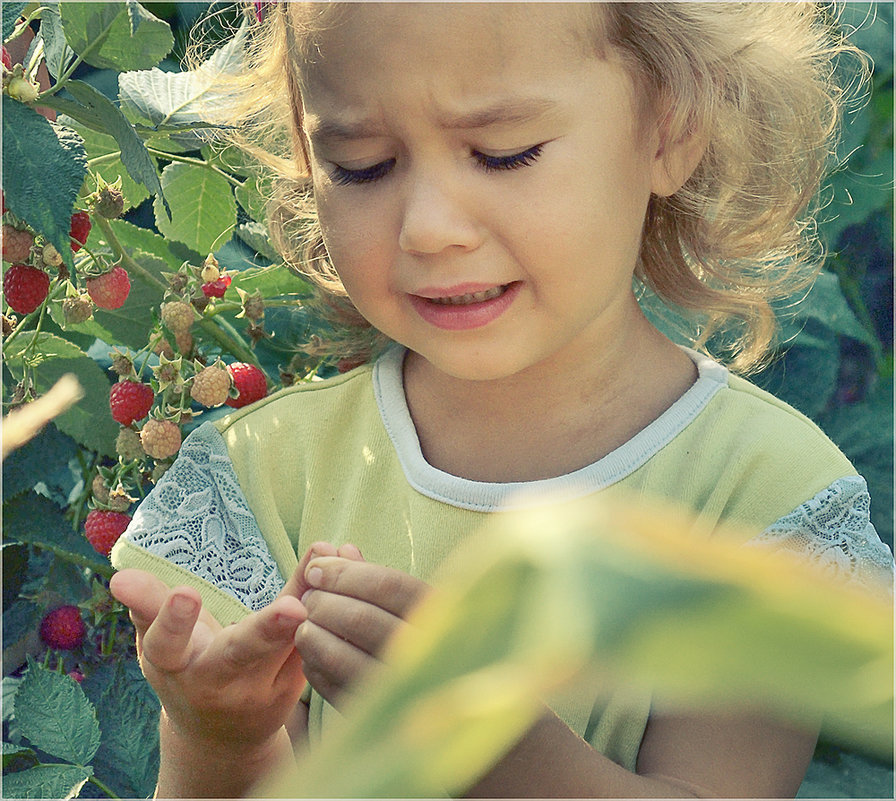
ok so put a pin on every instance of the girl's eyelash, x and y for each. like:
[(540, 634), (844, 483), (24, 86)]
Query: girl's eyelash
[(367, 175), (512, 162)]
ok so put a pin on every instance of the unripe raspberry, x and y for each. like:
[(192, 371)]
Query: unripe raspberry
[(99, 489), (103, 528), (63, 628), (50, 256), (130, 401), (184, 341), (211, 386), (20, 88), (109, 202), (177, 316), (160, 438), (16, 244), (128, 445), (77, 309), (250, 383), (210, 269)]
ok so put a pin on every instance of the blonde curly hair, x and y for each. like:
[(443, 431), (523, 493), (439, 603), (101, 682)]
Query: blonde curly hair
[(763, 84)]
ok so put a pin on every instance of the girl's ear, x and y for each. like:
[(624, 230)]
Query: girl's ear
[(678, 153)]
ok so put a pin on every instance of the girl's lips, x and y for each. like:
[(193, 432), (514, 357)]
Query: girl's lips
[(465, 307)]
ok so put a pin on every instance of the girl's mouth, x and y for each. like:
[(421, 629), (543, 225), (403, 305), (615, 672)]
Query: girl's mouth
[(465, 310)]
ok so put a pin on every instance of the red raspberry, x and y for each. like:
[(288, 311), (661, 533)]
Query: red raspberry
[(80, 229), (130, 401), (16, 244), (160, 438), (103, 528), (110, 290), (7, 59), (63, 628), (216, 289), (250, 383), (25, 287)]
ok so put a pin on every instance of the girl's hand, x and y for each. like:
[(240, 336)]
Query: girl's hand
[(353, 608), (231, 687)]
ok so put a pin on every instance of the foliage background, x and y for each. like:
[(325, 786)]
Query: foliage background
[(837, 367)]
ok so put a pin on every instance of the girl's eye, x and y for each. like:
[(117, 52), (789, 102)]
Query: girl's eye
[(512, 162), (366, 175)]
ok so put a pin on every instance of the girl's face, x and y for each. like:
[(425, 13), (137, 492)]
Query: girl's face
[(481, 179)]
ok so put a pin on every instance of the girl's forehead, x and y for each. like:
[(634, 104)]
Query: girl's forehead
[(331, 34)]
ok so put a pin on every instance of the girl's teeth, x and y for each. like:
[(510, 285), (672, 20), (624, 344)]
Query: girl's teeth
[(472, 297)]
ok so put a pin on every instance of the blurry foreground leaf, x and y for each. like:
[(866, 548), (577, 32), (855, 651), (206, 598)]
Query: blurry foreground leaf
[(584, 596)]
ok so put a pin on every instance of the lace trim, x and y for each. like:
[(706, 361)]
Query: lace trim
[(833, 531), (197, 517)]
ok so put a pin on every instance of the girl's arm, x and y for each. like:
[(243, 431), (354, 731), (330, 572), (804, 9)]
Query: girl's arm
[(681, 756)]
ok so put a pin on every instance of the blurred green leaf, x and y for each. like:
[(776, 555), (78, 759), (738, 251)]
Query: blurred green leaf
[(203, 211), (43, 169), (104, 34), (848, 776), (56, 717), (704, 624)]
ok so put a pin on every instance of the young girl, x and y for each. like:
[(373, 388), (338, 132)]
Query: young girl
[(485, 186)]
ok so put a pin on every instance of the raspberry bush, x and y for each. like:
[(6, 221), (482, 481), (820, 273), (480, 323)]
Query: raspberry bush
[(135, 255)]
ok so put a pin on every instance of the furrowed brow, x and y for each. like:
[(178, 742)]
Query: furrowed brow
[(505, 112)]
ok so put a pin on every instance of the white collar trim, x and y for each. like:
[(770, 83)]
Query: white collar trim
[(484, 496)]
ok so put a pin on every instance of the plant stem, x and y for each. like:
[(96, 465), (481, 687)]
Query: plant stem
[(130, 265), (103, 786), (164, 154)]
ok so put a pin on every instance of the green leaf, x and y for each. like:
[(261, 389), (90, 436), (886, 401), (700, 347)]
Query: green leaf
[(271, 282), (56, 50), (134, 238), (55, 715), (36, 520), (89, 422), (11, 11), (43, 169), (134, 156), (848, 776), (19, 619), (255, 235), (203, 211), (128, 713), (11, 750), (104, 157), (104, 35), (44, 457), (826, 303), (46, 781), (165, 100)]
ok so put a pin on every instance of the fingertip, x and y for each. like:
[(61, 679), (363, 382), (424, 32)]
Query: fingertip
[(350, 551)]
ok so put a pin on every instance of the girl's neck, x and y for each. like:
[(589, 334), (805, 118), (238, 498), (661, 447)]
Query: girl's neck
[(550, 419)]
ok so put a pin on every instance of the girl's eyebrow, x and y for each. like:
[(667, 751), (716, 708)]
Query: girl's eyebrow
[(505, 112)]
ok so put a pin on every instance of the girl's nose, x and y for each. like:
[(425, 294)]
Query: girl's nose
[(434, 218)]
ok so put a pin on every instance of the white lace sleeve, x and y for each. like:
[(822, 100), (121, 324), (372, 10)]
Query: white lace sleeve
[(197, 517), (833, 530)]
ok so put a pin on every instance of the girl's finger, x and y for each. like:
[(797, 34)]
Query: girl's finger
[(364, 625), (258, 639), (296, 584), (330, 664), (166, 643)]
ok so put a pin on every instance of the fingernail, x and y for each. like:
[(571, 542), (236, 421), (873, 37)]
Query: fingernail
[(183, 605), (314, 576), (306, 596)]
